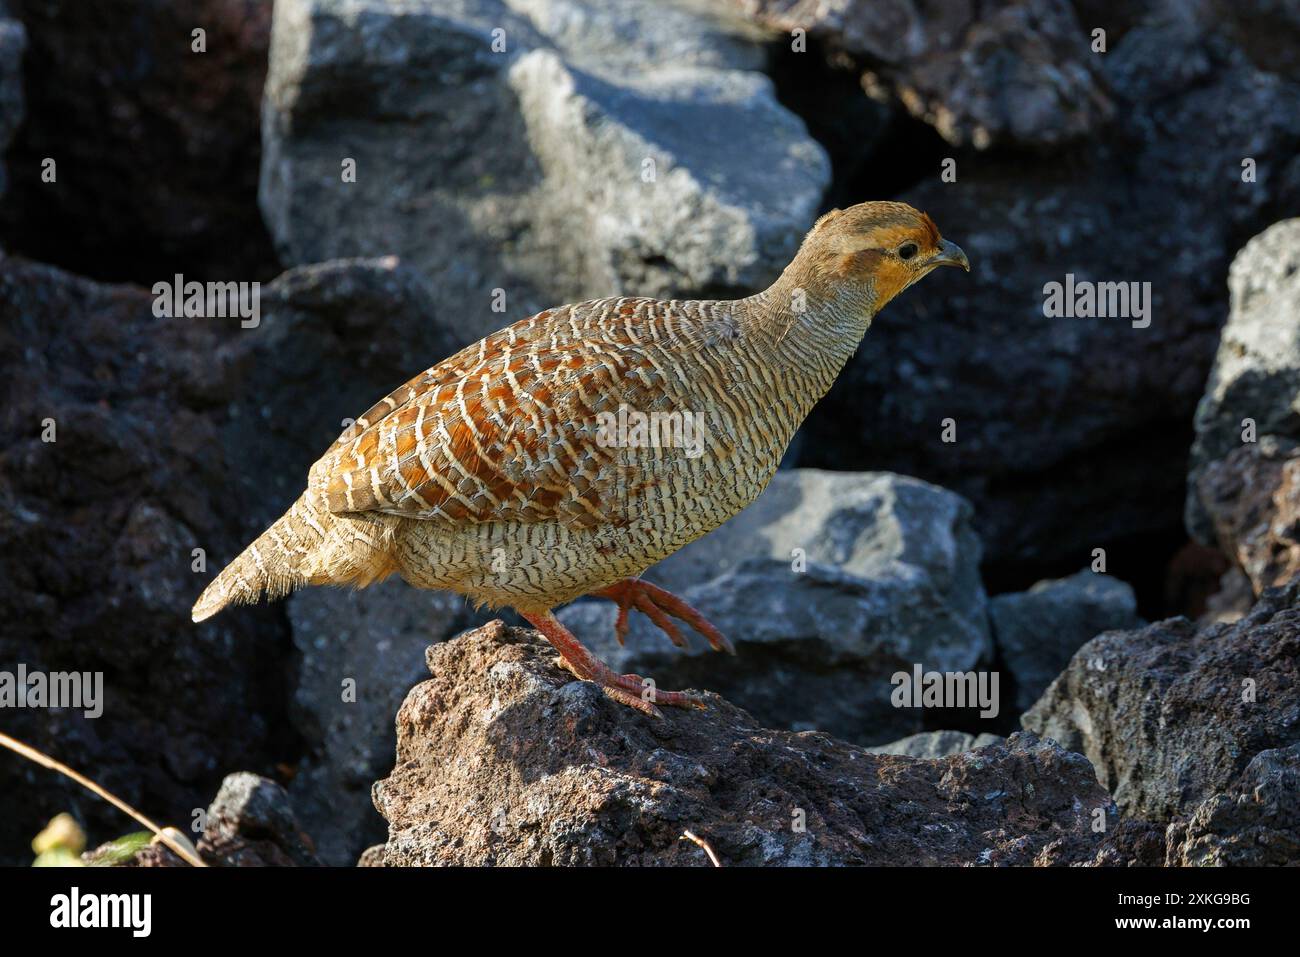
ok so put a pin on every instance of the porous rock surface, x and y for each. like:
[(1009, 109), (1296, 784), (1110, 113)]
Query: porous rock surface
[(1172, 714), (504, 758)]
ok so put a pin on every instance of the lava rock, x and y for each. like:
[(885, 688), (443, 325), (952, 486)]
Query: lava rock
[(251, 823), (322, 353), (828, 585), (995, 73), (1037, 632), (1104, 428), (177, 441), (1256, 374), (1252, 497), (115, 503), (156, 143), (1255, 823), (504, 758), (1172, 714)]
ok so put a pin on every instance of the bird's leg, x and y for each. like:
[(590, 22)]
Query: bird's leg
[(657, 604), (631, 690)]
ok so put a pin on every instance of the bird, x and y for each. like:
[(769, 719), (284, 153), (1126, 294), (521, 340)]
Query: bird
[(551, 460)]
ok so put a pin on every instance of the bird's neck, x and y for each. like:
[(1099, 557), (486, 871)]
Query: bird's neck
[(806, 326)]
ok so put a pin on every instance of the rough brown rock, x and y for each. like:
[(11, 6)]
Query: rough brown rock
[(503, 758), (1172, 714), (1130, 843)]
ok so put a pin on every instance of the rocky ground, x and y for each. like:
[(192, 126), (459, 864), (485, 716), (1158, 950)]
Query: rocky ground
[(512, 154)]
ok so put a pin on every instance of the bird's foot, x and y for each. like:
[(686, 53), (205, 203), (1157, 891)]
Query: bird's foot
[(657, 604), (631, 690)]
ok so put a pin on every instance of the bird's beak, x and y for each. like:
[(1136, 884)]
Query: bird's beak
[(950, 254)]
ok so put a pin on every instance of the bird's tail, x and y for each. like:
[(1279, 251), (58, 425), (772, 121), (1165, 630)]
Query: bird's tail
[(273, 565)]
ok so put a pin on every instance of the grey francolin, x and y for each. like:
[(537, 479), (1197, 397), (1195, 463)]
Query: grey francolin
[(567, 453)]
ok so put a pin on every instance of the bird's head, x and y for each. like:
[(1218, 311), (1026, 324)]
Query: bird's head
[(881, 248)]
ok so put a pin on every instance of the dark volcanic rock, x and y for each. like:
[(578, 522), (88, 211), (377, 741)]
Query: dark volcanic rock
[(504, 758), (251, 823), (1252, 498), (1255, 822), (333, 337), (1103, 430), (994, 73), (1171, 714), (1037, 632), (156, 145), (13, 41), (97, 536), (1130, 843)]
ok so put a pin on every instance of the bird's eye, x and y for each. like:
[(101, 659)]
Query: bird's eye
[(907, 250)]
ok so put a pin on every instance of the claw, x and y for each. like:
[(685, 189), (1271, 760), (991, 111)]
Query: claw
[(620, 626), (657, 604), (630, 690)]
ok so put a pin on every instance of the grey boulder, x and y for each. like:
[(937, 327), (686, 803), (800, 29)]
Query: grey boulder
[(1256, 373), (1037, 632), (520, 154)]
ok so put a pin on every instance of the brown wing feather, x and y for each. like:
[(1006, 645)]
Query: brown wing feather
[(507, 428)]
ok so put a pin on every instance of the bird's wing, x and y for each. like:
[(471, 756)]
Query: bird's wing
[(510, 428)]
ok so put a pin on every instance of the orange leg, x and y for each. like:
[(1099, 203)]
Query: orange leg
[(657, 604), (631, 690)]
